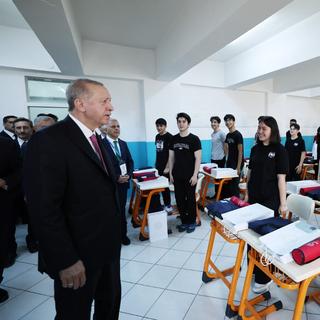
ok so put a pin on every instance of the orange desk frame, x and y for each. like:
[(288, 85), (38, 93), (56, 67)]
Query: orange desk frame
[(134, 206), (216, 227), (281, 280), (204, 189)]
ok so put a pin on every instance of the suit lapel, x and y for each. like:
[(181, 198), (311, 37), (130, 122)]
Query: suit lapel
[(76, 136)]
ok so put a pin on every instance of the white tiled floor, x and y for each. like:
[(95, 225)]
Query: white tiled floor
[(159, 281)]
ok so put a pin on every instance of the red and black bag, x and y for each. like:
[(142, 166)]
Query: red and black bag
[(307, 253)]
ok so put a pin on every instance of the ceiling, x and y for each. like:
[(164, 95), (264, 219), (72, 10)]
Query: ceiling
[(251, 40)]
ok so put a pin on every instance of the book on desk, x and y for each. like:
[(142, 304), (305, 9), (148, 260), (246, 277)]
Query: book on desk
[(280, 243), (239, 219)]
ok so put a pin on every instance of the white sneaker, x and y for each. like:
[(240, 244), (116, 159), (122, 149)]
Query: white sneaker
[(261, 288), (169, 209)]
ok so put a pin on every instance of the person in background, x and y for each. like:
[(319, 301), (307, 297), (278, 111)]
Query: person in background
[(162, 142), (41, 122), (266, 176), (71, 191), (123, 166), (184, 163), (288, 135), (234, 152), (51, 115), (24, 129), (317, 153), (296, 149), (8, 127), (10, 180), (218, 138)]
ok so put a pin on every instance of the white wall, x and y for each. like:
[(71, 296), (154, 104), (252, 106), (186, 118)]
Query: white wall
[(127, 98)]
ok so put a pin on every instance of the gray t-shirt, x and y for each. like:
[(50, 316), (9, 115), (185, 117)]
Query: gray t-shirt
[(217, 151)]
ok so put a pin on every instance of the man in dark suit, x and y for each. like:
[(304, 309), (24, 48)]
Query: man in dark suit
[(71, 191), (10, 178), (8, 127), (123, 166)]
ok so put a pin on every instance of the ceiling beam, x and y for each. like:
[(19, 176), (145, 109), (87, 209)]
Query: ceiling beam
[(53, 23)]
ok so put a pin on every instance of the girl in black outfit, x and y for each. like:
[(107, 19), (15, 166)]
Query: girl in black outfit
[(268, 167)]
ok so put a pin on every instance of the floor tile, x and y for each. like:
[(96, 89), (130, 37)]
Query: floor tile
[(12, 293), (133, 271), (28, 257), (129, 252), (199, 233), (150, 254), (44, 287), (21, 305), (284, 314), (123, 262), (125, 287), (195, 262), (159, 276), (230, 250), (45, 310), (171, 306), (27, 279), (186, 244), (174, 258), (17, 269), (203, 246), (188, 281), (126, 316), (166, 243), (204, 308), (139, 300)]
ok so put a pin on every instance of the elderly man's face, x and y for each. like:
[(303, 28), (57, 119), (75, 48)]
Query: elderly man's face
[(23, 130), (114, 129), (96, 107), (9, 124)]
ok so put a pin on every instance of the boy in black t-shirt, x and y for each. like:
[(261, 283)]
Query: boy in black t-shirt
[(234, 151), (184, 163), (162, 142), (296, 151), (288, 135)]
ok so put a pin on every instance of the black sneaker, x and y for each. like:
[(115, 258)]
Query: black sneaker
[(10, 260), (3, 295), (125, 241)]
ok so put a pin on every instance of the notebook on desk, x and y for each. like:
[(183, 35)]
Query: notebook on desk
[(238, 219), (292, 236)]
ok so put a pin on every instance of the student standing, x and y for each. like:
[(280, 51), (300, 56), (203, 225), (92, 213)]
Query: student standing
[(296, 149), (218, 138), (184, 163), (291, 122), (162, 142), (267, 171), (234, 151)]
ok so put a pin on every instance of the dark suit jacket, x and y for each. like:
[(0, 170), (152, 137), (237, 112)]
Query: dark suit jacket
[(10, 171), (125, 156), (4, 134), (72, 201)]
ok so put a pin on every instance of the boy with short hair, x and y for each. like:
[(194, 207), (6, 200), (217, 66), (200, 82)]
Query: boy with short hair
[(218, 138), (296, 149), (162, 142), (234, 151)]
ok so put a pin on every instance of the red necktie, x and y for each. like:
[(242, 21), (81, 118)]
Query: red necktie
[(96, 146)]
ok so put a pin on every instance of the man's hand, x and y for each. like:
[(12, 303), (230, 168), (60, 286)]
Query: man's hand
[(193, 180), (73, 277), (166, 171), (3, 183), (171, 179), (123, 179)]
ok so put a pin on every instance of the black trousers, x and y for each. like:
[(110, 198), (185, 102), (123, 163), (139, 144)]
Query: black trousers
[(123, 191), (186, 200), (221, 163), (166, 193), (272, 203), (102, 285), (7, 223)]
